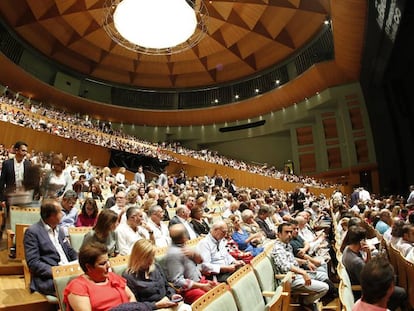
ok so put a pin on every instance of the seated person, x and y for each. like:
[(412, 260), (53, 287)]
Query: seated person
[(181, 217), (217, 262), (249, 224), (306, 281), (355, 256), (377, 283), (161, 234), (200, 226), (98, 288), (104, 232), (385, 221), (132, 230), (261, 219), (147, 280), (180, 265), (405, 244), (45, 245), (88, 215), (245, 241), (69, 211)]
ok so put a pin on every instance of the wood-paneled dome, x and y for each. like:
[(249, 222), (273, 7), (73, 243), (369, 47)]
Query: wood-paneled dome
[(243, 37)]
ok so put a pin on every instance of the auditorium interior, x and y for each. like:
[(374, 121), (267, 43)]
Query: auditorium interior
[(319, 87)]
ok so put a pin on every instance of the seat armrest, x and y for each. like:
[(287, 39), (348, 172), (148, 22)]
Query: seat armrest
[(10, 238), (268, 293)]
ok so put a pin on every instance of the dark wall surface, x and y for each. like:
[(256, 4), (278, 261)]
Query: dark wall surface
[(388, 85)]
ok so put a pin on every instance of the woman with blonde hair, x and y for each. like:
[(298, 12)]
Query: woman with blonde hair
[(104, 232), (147, 280)]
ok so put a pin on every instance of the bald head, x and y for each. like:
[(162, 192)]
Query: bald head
[(178, 234), (219, 230)]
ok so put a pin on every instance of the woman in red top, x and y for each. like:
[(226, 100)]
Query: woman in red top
[(89, 214), (98, 289)]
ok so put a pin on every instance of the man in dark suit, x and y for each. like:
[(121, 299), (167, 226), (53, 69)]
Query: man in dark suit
[(13, 170), (45, 245), (181, 217), (12, 176), (262, 214)]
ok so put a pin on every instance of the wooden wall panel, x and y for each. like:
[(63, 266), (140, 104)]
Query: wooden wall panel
[(307, 163), (356, 118), (330, 128), (42, 141), (334, 158), (361, 149), (304, 135)]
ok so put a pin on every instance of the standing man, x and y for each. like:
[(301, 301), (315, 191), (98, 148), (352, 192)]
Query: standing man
[(12, 175), (45, 245), (13, 170), (298, 198), (139, 176)]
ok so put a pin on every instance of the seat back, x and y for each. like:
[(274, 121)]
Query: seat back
[(19, 239), (160, 253), (62, 275), (286, 285), (193, 243), (246, 290), (171, 212), (265, 275), (119, 264), (392, 255), (76, 235), (23, 215), (409, 268), (217, 299), (402, 273), (346, 294)]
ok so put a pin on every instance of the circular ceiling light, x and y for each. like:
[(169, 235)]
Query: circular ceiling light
[(157, 27)]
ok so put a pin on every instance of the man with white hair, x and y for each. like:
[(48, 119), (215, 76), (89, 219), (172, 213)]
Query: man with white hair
[(181, 217), (217, 262), (160, 229)]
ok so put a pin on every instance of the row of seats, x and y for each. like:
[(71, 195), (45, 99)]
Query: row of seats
[(404, 270), (251, 288)]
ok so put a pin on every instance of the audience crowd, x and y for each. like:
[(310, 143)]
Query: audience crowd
[(233, 224), (83, 128)]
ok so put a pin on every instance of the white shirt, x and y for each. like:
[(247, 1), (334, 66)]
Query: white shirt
[(161, 233), (54, 237), (127, 237), (19, 172)]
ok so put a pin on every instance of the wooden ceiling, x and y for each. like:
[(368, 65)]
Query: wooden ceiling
[(244, 37)]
